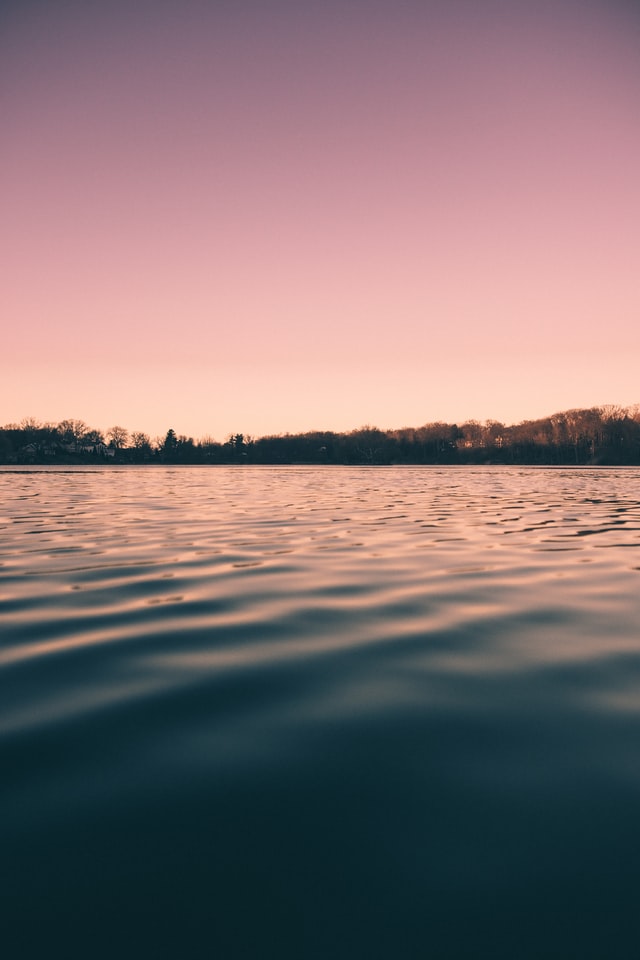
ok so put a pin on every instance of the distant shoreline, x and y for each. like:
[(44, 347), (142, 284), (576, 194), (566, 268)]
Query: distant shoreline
[(598, 436), (489, 464)]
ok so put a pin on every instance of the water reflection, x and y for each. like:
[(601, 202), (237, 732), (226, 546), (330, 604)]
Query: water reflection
[(321, 712)]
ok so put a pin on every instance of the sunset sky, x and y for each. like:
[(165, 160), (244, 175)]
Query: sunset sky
[(277, 216)]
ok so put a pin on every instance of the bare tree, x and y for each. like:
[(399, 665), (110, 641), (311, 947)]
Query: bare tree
[(117, 437), (140, 440), (73, 432)]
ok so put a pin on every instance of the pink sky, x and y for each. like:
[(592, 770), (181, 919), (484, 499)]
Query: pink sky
[(275, 217)]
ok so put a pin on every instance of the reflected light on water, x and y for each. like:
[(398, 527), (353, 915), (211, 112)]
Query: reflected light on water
[(373, 711)]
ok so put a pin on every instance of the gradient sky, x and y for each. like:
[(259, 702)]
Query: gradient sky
[(268, 217)]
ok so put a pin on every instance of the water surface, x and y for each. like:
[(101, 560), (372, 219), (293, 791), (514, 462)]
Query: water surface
[(320, 712)]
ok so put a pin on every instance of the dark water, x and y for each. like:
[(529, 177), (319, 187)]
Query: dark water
[(323, 713)]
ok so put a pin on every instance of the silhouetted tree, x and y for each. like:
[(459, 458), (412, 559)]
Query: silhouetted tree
[(73, 432), (368, 444), (117, 437), (93, 436), (607, 435), (170, 441)]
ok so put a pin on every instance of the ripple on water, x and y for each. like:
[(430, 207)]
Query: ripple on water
[(314, 712)]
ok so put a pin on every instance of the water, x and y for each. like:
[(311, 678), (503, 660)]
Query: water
[(320, 713)]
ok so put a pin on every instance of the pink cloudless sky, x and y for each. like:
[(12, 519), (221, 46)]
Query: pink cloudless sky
[(283, 216)]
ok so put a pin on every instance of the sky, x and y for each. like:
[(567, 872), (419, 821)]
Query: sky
[(269, 217)]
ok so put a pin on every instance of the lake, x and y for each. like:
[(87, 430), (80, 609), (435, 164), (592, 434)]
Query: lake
[(277, 712)]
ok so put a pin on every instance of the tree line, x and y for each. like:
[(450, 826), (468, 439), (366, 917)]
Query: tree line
[(598, 435)]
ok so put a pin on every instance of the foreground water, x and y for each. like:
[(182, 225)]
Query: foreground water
[(324, 713)]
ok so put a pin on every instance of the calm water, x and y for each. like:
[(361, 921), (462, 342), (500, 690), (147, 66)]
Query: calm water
[(323, 713)]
